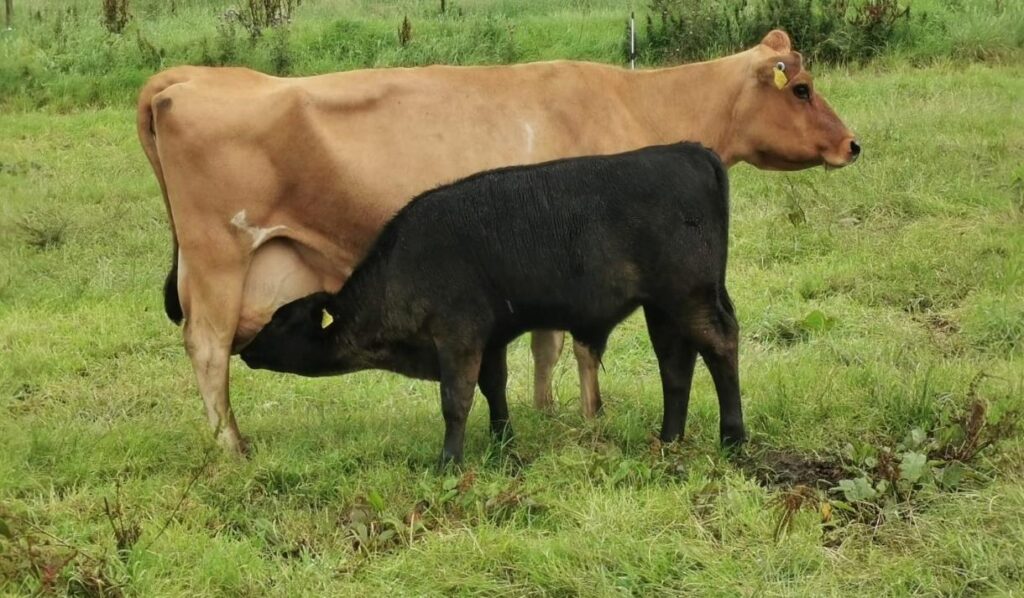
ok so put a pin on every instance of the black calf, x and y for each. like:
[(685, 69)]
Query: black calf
[(573, 245)]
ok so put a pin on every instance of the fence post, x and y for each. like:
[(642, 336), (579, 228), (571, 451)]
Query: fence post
[(632, 42), (8, 12)]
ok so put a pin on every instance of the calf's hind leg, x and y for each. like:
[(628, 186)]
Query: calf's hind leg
[(676, 359), (715, 333), (493, 379)]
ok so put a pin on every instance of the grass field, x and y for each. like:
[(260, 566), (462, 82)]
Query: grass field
[(882, 362)]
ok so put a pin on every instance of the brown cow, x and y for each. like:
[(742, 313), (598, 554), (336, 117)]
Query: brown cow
[(275, 187)]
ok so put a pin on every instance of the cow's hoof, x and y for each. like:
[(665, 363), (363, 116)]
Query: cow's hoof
[(233, 444), (591, 407), (543, 400)]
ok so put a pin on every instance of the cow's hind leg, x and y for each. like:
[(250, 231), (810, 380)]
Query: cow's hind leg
[(546, 346), (493, 380), (676, 360), (214, 299), (587, 362), (715, 333), (460, 369)]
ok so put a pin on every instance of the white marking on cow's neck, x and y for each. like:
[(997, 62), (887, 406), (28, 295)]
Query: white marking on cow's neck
[(259, 235), (529, 137)]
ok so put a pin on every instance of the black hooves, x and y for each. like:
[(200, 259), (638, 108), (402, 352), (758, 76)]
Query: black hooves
[(502, 432), (449, 461), (733, 442)]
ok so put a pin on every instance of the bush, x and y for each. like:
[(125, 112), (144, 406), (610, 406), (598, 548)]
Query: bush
[(280, 52), (258, 15), (828, 30), (152, 57), (116, 15)]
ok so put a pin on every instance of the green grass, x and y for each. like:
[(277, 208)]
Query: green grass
[(59, 54), (916, 254)]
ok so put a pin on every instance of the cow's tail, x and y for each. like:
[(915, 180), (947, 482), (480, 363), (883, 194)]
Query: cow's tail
[(147, 136)]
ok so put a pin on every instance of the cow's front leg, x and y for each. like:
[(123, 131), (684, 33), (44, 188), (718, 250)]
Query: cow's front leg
[(214, 295), (546, 346), (459, 372)]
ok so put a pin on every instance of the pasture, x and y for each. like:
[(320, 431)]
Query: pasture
[(882, 358)]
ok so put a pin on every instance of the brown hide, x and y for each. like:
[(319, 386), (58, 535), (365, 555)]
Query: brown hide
[(276, 186)]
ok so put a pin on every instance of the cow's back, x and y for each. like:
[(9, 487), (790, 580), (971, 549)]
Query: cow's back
[(322, 162)]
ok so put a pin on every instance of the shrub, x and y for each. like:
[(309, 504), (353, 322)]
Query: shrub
[(226, 42), (258, 15), (688, 29), (405, 32), (152, 56), (116, 15), (280, 52), (828, 30)]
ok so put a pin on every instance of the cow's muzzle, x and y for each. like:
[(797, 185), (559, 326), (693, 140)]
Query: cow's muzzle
[(854, 151)]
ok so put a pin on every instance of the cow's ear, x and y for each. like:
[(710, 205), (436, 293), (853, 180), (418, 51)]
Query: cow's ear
[(777, 40), (778, 71)]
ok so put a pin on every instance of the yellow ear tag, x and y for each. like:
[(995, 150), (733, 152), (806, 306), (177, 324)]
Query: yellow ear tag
[(326, 321), (780, 78)]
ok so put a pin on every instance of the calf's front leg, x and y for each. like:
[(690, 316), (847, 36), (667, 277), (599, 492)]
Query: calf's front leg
[(676, 361), (493, 380), (459, 373)]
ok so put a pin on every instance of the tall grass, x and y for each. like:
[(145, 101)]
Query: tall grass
[(61, 55)]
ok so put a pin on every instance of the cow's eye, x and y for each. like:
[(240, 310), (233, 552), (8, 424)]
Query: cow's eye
[(802, 91)]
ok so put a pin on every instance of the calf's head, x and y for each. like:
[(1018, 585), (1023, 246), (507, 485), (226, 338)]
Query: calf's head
[(297, 340), (779, 121)]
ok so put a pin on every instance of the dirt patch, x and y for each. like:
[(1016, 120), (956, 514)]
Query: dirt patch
[(781, 469), (944, 332), (939, 323)]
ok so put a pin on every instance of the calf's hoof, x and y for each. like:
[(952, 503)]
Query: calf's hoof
[(501, 432), (733, 439), (449, 460), (668, 436)]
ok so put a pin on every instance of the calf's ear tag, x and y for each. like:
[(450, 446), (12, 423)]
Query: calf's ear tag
[(326, 320), (780, 75)]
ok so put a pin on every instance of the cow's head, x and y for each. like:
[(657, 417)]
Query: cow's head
[(297, 340), (781, 122)]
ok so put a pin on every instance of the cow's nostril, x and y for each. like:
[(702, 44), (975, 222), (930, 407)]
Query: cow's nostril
[(854, 148)]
